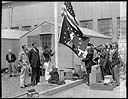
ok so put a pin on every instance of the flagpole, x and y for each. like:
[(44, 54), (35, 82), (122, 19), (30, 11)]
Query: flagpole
[(56, 33)]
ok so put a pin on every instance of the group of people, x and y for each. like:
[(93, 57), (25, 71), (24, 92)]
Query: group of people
[(106, 56), (31, 61)]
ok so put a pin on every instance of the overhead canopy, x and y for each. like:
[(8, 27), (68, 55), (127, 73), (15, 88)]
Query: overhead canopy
[(12, 34), (92, 33)]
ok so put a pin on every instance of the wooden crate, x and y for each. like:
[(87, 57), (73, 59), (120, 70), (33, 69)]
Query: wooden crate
[(68, 75), (102, 86), (95, 75)]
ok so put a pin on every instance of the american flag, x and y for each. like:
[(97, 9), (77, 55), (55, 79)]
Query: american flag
[(68, 12), (73, 38)]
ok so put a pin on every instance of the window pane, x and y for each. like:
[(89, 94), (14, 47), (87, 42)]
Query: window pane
[(105, 26), (46, 40), (26, 28), (86, 23)]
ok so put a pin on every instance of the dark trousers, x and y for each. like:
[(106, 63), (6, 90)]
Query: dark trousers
[(88, 72), (102, 72), (35, 77), (115, 74)]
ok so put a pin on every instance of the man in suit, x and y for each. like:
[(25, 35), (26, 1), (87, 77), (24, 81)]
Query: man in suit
[(35, 64), (115, 64), (104, 57), (89, 61)]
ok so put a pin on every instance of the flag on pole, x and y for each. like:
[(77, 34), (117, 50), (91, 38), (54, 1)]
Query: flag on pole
[(73, 38), (68, 12), (71, 35)]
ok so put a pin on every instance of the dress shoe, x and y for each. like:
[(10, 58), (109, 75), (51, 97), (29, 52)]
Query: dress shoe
[(26, 85), (14, 75), (33, 85), (10, 75), (87, 83), (22, 86)]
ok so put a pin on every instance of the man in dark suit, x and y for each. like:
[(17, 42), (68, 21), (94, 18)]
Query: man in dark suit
[(104, 57), (34, 60), (115, 64), (89, 61)]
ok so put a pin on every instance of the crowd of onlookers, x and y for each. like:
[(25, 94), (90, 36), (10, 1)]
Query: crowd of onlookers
[(30, 62), (106, 56)]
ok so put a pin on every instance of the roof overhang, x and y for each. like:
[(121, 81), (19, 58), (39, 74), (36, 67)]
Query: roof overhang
[(11, 34), (92, 33)]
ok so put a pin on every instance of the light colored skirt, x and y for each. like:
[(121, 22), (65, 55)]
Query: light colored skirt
[(46, 66)]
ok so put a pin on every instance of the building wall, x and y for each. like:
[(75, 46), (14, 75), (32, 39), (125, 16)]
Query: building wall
[(7, 44), (37, 13), (33, 14), (123, 32), (39, 30), (122, 40)]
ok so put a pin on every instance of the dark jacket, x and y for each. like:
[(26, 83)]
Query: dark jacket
[(13, 57), (115, 59), (104, 58), (89, 60), (34, 58), (47, 55)]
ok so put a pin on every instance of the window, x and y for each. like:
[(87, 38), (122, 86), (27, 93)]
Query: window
[(105, 26), (118, 26), (46, 40), (15, 28), (86, 23), (32, 39), (26, 28), (123, 28)]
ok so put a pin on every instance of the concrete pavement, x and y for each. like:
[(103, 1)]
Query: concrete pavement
[(11, 86), (83, 91)]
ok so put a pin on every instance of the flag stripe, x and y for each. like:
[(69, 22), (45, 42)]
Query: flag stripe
[(69, 17)]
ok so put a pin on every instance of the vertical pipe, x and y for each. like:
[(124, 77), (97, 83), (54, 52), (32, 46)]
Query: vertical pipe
[(56, 33)]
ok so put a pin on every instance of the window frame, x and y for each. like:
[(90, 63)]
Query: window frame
[(26, 26), (15, 28)]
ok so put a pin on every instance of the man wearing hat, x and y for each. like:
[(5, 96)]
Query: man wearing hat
[(10, 58)]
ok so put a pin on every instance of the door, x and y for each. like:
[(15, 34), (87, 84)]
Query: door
[(46, 40)]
